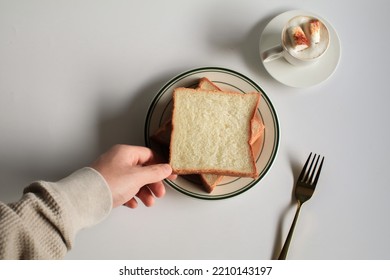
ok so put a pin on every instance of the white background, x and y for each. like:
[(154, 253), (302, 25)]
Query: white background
[(77, 77)]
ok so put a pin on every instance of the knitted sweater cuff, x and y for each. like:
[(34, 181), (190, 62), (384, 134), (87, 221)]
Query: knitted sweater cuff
[(84, 198)]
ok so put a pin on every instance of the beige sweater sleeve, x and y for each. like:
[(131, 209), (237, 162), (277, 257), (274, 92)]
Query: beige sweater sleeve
[(44, 222)]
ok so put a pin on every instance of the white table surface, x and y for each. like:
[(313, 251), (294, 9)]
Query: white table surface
[(77, 77)]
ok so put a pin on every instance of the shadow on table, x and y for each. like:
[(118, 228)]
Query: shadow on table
[(127, 125), (227, 37)]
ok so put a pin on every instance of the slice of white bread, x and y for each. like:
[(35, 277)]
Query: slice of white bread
[(163, 136), (210, 181), (211, 132)]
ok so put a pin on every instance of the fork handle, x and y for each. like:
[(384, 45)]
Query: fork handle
[(283, 253)]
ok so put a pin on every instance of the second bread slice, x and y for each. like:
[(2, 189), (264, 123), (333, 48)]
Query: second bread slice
[(212, 131)]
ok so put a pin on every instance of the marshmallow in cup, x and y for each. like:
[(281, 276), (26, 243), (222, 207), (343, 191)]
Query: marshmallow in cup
[(304, 40)]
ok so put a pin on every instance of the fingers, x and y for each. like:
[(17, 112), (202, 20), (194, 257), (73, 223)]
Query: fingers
[(157, 189), (172, 177), (150, 178), (132, 203), (128, 169), (145, 175), (147, 195)]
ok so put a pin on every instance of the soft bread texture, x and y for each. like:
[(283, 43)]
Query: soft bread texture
[(211, 132), (163, 136), (210, 181)]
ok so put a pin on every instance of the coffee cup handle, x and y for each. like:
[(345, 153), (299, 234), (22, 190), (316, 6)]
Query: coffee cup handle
[(272, 53)]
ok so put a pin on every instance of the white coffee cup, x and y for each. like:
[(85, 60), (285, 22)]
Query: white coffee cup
[(307, 56)]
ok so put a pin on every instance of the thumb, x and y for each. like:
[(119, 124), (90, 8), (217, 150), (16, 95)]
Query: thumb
[(152, 173)]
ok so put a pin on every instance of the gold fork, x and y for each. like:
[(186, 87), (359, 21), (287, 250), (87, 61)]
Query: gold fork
[(304, 190)]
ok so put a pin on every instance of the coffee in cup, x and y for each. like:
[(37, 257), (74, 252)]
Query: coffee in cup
[(304, 40)]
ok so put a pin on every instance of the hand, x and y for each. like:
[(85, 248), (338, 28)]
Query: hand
[(132, 171)]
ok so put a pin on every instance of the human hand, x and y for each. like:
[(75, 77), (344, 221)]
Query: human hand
[(133, 171)]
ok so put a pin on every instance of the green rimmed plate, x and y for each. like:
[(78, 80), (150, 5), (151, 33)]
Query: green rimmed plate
[(160, 111)]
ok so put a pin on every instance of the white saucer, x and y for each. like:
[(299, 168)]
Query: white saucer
[(299, 76)]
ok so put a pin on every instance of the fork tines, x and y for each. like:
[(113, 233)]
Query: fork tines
[(307, 176)]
